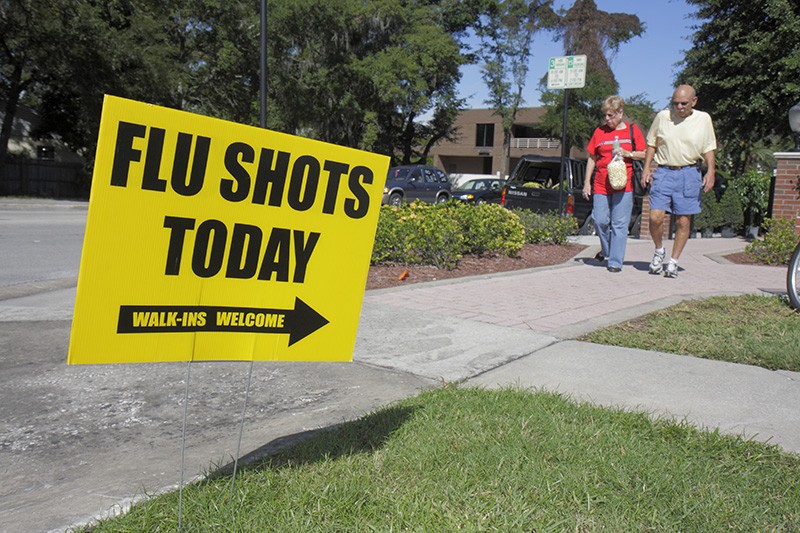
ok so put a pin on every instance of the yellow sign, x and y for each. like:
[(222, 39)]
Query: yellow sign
[(208, 240)]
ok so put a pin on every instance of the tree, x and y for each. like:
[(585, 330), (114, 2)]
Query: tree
[(425, 55), (745, 65), (583, 106), (119, 47), (61, 58), (414, 72), (221, 43), (369, 71), (585, 30), (30, 44), (364, 75), (506, 32), (597, 34)]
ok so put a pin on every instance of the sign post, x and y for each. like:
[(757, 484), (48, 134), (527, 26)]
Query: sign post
[(565, 72)]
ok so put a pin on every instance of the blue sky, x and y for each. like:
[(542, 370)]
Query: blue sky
[(645, 64)]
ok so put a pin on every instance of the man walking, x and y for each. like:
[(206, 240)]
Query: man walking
[(679, 139)]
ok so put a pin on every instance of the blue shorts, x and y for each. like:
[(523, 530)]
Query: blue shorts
[(677, 191)]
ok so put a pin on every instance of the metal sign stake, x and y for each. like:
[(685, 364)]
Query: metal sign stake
[(183, 442), (241, 428)]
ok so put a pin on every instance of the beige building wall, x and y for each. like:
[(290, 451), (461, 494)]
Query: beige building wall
[(469, 155)]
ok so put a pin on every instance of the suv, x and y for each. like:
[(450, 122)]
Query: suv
[(534, 185), (415, 182)]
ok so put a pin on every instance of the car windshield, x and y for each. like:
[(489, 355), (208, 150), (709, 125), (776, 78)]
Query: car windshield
[(474, 185), (481, 185)]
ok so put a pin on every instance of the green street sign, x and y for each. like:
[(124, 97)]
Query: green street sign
[(567, 72)]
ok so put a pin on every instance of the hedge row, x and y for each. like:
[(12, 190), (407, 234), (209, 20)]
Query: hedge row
[(440, 234)]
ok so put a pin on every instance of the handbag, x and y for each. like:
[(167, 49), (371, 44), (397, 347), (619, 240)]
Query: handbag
[(636, 167)]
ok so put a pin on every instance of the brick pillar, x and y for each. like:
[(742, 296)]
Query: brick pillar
[(786, 199), (644, 233)]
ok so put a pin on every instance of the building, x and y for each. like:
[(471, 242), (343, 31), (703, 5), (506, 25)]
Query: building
[(478, 147)]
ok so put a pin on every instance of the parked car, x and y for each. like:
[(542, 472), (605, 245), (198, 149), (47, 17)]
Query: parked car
[(415, 182), (480, 191), (534, 184)]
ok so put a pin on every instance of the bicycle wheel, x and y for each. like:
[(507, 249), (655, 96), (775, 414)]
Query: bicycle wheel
[(793, 278)]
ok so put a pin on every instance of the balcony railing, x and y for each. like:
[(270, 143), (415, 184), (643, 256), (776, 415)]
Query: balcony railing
[(539, 143)]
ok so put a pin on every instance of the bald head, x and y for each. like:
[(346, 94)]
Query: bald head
[(685, 90), (683, 100)]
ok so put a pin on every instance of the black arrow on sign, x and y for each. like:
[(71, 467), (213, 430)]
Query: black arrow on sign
[(303, 321), (299, 322)]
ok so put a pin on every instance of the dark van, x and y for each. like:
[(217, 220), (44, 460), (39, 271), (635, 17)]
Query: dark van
[(415, 182)]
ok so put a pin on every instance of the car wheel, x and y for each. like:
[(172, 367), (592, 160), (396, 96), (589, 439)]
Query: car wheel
[(588, 226), (396, 199), (442, 198), (480, 201)]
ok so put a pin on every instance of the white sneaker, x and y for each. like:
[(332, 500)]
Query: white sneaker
[(671, 270), (657, 263)]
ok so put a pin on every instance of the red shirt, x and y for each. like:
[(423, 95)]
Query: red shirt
[(601, 146)]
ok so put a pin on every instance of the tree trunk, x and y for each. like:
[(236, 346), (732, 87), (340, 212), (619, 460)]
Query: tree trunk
[(504, 163), (12, 102), (408, 139)]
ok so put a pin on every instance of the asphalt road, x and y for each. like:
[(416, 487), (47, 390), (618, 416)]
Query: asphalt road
[(78, 442)]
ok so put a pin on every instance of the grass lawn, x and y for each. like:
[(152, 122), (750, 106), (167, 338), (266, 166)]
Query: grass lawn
[(753, 330), (467, 459)]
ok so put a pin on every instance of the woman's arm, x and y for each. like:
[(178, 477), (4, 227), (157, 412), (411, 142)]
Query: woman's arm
[(639, 142), (587, 181)]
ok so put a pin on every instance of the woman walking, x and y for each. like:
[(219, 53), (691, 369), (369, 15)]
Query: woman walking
[(617, 144)]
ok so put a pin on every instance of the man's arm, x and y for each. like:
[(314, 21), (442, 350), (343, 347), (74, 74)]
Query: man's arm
[(710, 175), (647, 174)]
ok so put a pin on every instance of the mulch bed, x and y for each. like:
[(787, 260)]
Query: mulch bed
[(741, 258), (531, 255)]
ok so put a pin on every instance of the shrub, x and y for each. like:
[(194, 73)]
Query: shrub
[(489, 229), (710, 216), (546, 228), (439, 234), (391, 238), (778, 244), (434, 236), (731, 213), (417, 234), (752, 187)]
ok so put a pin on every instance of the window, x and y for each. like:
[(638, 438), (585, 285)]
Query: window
[(520, 131), (430, 177), (485, 135)]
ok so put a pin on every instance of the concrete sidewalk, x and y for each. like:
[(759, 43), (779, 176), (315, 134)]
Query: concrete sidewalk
[(570, 300), (513, 329)]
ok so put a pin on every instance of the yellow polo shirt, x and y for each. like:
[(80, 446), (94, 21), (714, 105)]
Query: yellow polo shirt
[(679, 142)]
